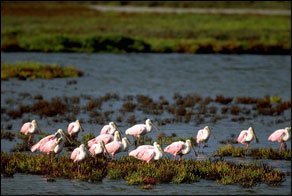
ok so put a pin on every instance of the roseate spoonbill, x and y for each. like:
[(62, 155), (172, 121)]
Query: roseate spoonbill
[(179, 148), (29, 128), (246, 136), (141, 129), (281, 136), (109, 129), (97, 148), (115, 147), (147, 152), (51, 139), (74, 128), (79, 154), (106, 138), (203, 136)]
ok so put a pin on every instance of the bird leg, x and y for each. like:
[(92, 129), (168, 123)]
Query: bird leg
[(283, 147)]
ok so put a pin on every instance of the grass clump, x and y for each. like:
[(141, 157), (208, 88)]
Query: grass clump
[(136, 172), (33, 70), (259, 153)]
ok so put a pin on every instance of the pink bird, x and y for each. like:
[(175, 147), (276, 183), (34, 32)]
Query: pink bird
[(203, 136), (141, 129), (246, 136), (147, 152), (106, 138), (74, 128), (281, 136), (79, 154), (109, 129), (30, 128), (45, 144), (179, 148), (115, 147), (98, 148)]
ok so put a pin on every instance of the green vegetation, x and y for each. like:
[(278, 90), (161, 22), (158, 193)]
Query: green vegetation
[(204, 4), (258, 153), (136, 172), (33, 70), (75, 27)]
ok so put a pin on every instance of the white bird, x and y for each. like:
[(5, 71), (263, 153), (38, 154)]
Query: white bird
[(139, 130), (97, 148), (74, 128), (203, 136), (246, 136)]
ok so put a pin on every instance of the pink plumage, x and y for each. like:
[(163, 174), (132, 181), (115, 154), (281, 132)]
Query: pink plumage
[(106, 138), (42, 142), (144, 154), (105, 129), (49, 146), (137, 130), (241, 137), (70, 128), (175, 148), (277, 136), (114, 147), (25, 128)]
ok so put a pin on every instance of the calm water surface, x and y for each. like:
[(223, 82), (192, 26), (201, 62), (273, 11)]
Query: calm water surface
[(157, 75)]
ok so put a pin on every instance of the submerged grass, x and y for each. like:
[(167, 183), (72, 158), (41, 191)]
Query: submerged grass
[(136, 172), (32, 70)]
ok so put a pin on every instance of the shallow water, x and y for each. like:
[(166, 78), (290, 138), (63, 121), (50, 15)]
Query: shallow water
[(156, 75)]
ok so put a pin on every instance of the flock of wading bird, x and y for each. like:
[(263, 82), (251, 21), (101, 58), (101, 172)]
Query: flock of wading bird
[(109, 141)]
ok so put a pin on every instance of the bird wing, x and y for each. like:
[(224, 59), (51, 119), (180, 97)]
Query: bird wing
[(74, 154), (25, 127), (113, 147), (174, 148), (241, 136), (42, 142), (105, 129), (277, 135), (136, 130), (70, 128), (146, 155), (48, 146)]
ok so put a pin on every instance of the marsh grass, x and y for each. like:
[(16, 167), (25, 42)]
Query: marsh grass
[(33, 27), (136, 172), (258, 153), (33, 70)]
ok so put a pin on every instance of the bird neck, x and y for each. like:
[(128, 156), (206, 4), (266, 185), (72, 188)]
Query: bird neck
[(187, 149)]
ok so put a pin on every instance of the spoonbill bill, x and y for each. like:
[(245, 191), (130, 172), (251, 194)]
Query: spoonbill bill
[(139, 130), (106, 138), (281, 136), (246, 136), (147, 152), (179, 148), (97, 148), (29, 128), (74, 128)]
